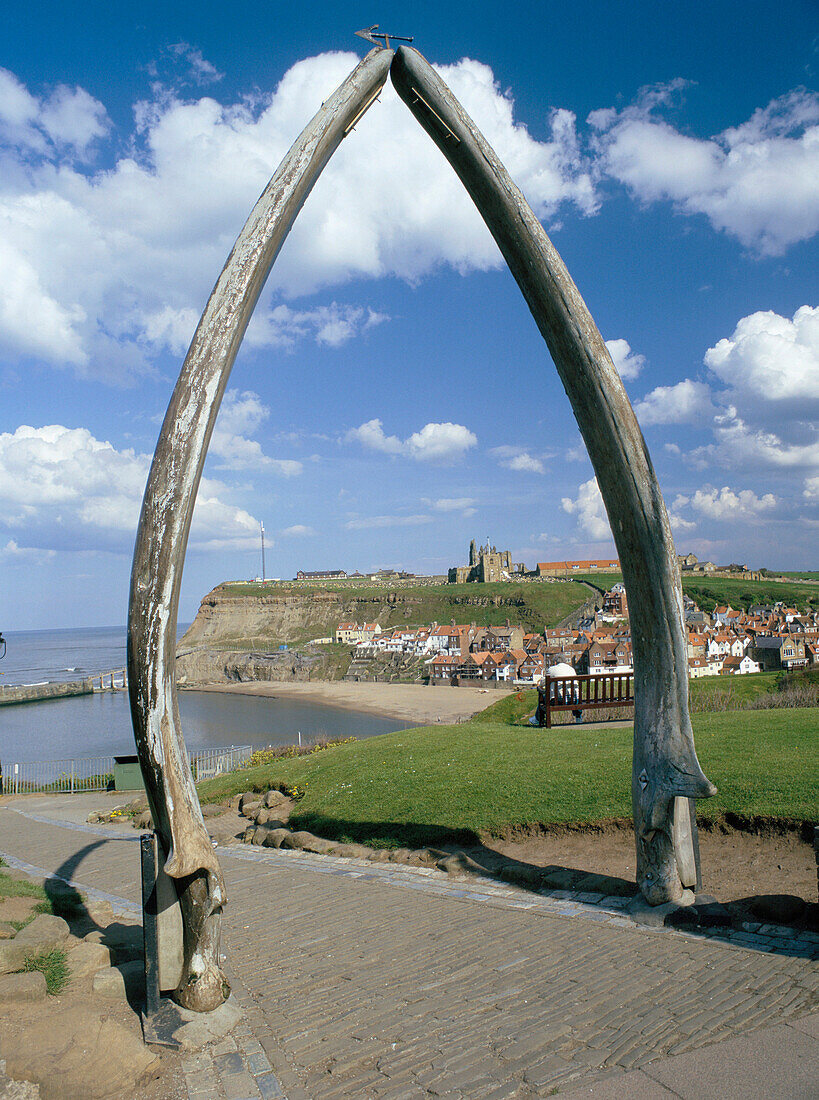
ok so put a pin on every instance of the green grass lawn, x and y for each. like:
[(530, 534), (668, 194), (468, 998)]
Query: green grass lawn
[(711, 591), (439, 783), (742, 689)]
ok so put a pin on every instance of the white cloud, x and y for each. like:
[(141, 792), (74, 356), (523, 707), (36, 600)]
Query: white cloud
[(124, 257), (435, 442), (526, 463), (811, 490), (628, 363), (371, 435), (201, 70), (740, 446), (726, 504), (679, 524), (517, 458), (589, 509), (440, 442), (367, 522), (63, 124), (685, 402), (453, 504), (12, 552), (768, 409), (758, 182), (63, 488), (770, 357), (240, 415), (298, 530)]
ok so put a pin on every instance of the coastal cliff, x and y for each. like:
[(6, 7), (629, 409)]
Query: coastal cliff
[(257, 631)]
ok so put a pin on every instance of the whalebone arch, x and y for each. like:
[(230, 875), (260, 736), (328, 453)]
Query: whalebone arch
[(666, 772)]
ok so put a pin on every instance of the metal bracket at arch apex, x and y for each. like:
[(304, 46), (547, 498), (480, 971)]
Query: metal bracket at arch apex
[(371, 35)]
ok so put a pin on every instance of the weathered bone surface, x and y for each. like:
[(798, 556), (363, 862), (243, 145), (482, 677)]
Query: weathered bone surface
[(165, 522), (665, 761)]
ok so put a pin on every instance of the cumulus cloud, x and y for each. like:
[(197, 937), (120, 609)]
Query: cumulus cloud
[(766, 392), (758, 182), (517, 458), (364, 523), (589, 509), (240, 415), (770, 358), (63, 487), (811, 490), (685, 402), (738, 445), (63, 124), (371, 434), (726, 504), (435, 442), (127, 255), (440, 442), (628, 363), (330, 326)]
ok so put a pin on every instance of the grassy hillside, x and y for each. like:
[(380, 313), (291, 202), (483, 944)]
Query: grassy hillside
[(441, 783), (710, 591), (535, 605)]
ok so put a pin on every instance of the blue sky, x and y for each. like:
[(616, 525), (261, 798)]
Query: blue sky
[(393, 398)]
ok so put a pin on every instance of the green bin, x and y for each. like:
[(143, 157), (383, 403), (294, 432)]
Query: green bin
[(127, 774)]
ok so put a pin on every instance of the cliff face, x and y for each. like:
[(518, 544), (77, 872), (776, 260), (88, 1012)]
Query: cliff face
[(225, 666), (236, 638), (225, 621)]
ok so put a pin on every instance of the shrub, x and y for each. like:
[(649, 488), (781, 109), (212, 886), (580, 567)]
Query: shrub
[(287, 752)]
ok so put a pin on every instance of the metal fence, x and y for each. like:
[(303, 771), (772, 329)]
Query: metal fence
[(96, 773), (93, 773), (210, 762)]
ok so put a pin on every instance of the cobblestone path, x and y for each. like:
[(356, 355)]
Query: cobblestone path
[(364, 980)]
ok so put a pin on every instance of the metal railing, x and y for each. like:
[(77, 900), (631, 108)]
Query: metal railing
[(96, 773), (210, 762), (92, 773)]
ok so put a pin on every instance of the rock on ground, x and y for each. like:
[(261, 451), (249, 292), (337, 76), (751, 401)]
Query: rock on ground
[(118, 982), (23, 987), (16, 1090), (79, 1056), (85, 959)]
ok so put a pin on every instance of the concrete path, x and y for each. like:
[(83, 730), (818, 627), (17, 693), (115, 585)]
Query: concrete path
[(378, 980)]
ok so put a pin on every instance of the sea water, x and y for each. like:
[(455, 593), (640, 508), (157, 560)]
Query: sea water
[(100, 724)]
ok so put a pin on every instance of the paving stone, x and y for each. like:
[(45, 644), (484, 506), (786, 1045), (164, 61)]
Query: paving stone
[(257, 1062), (269, 1087)]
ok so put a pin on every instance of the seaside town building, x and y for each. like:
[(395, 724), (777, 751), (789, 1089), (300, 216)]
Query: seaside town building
[(724, 643), (573, 568)]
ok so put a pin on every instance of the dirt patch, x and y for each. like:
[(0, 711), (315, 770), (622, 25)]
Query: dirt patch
[(64, 1044), (17, 909), (736, 864)]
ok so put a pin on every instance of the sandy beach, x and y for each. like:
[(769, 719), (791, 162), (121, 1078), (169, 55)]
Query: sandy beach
[(411, 702)]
